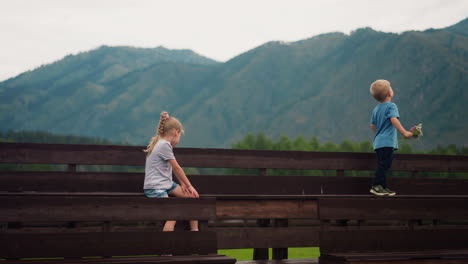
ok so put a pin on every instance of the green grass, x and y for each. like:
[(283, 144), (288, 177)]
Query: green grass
[(293, 253)]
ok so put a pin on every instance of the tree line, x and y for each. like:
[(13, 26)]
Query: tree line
[(301, 143)]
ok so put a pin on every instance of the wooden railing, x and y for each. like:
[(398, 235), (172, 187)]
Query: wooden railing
[(224, 158), (271, 211)]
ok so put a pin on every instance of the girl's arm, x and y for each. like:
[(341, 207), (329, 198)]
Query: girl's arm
[(373, 128), (183, 180), (396, 123)]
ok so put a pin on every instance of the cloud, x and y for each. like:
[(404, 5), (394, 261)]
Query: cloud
[(39, 32)]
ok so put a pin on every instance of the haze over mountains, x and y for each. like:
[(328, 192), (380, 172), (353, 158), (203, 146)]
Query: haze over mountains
[(313, 87)]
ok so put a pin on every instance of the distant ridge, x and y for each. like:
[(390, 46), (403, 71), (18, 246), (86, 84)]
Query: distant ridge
[(314, 87)]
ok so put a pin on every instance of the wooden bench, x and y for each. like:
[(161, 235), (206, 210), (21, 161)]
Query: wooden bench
[(105, 227), (275, 204), (73, 156), (403, 230)]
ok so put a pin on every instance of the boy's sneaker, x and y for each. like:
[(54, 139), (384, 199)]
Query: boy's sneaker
[(378, 190), (390, 192)]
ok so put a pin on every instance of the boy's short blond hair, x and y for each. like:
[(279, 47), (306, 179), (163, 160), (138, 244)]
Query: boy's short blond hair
[(379, 89)]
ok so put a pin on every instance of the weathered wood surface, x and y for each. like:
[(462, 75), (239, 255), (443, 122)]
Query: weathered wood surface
[(103, 208), (223, 158), (18, 245), (427, 257), (64, 181), (393, 208), (341, 241), (260, 208), (111, 196), (283, 261), (261, 237), (120, 182), (197, 259)]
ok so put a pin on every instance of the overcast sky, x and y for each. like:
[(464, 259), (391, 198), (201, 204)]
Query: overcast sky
[(36, 32)]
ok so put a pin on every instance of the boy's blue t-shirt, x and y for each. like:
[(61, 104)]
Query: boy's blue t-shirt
[(386, 135)]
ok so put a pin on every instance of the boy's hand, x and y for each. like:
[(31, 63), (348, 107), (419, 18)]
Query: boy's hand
[(407, 134)]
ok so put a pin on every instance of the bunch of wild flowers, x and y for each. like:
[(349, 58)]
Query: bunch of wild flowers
[(417, 131)]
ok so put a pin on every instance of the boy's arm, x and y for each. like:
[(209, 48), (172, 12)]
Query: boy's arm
[(372, 126), (396, 123)]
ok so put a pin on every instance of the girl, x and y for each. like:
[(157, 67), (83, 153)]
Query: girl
[(160, 163)]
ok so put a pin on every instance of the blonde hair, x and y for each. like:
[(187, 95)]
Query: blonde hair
[(379, 89), (166, 124)]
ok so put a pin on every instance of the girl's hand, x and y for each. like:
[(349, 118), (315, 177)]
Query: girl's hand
[(190, 191), (193, 192), (185, 190)]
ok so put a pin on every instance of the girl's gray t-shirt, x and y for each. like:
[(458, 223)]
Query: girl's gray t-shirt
[(158, 170)]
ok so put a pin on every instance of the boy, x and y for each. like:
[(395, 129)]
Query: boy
[(384, 123)]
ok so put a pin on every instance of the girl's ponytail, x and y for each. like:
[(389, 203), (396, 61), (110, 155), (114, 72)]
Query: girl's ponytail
[(159, 132)]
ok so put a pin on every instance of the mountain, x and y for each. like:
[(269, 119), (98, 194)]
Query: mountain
[(460, 28), (314, 87), (64, 95)]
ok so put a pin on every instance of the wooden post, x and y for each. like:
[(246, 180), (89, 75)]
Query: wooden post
[(361, 223), (341, 222), (261, 253), (280, 253), (71, 167), (325, 224), (413, 223)]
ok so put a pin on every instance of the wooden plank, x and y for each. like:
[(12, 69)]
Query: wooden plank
[(231, 158), (334, 241), (284, 261), (103, 208), (258, 209), (106, 244), (428, 186), (62, 181), (259, 237), (419, 257), (55, 181), (320, 185), (223, 158), (71, 154), (393, 208), (196, 259), (279, 185)]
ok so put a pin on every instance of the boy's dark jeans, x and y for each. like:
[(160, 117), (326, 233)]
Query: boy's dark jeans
[(384, 162)]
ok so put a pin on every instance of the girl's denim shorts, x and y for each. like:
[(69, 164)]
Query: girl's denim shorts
[(160, 193)]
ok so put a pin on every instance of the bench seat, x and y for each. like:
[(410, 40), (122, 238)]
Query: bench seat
[(419, 257), (192, 259)]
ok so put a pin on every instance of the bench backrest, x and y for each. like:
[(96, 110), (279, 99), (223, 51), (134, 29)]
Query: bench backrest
[(44, 231), (75, 155), (117, 196), (132, 182), (393, 224), (224, 158)]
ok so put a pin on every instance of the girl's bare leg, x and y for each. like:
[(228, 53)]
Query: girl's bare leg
[(169, 226), (177, 192)]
